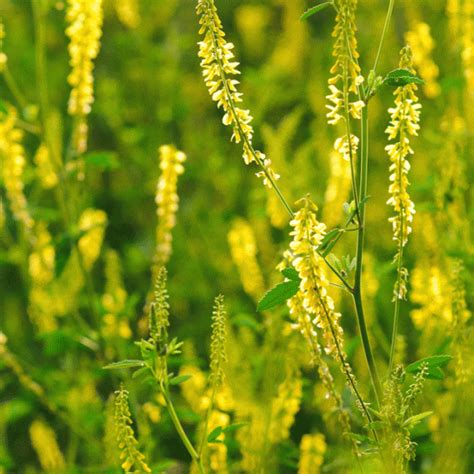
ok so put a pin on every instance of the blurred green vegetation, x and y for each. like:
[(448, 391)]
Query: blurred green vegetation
[(149, 92)]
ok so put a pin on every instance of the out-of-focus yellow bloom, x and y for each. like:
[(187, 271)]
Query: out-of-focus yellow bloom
[(44, 167), (114, 299), (130, 455), (307, 234), (244, 253), (167, 199), (218, 451), (128, 13), (2, 214), (422, 45), (346, 76), (219, 66), (405, 117), (92, 222), (14, 164), (285, 406), (84, 18), (339, 183), (44, 441), (312, 449), (41, 269), (251, 22), (3, 56)]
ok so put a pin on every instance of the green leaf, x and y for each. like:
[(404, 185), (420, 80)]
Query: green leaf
[(376, 425), (433, 361), (328, 238), (179, 379), (235, 426), (245, 320), (63, 252), (3, 107), (401, 77), (313, 10), (291, 274), (141, 372), (214, 434), (106, 160), (414, 420), (125, 364), (278, 295)]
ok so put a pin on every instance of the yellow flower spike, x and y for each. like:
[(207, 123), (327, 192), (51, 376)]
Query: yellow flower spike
[(129, 455), (45, 168), (218, 340), (312, 449), (45, 443), (243, 248), (422, 44), (84, 19), (167, 199), (405, 117), (41, 260), (346, 76), (307, 234), (339, 183), (92, 222), (285, 406), (14, 164), (128, 13), (219, 68)]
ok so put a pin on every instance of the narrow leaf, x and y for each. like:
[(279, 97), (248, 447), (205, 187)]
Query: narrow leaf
[(278, 295), (179, 379), (214, 434), (234, 426), (125, 364), (317, 8), (414, 420), (433, 361), (291, 274)]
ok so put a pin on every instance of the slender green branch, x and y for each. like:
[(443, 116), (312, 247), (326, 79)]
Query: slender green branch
[(384, 32), (357, 293), (14, 89)]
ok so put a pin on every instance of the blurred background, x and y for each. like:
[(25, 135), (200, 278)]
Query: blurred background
[(230, 231)]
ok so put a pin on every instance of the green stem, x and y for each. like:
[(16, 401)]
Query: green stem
[(14, 89), (180, 430), (357, 293), (384, 32)]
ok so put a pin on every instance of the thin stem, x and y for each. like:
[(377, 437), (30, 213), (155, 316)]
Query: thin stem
[(202, 444), (357, 293), (14, 89), (179, 428), (384, 32)]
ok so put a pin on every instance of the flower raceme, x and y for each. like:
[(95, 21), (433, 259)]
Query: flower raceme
[(308, 234), (345, 71), (171, 165), (84, 18), (405, 117), (219, 69)]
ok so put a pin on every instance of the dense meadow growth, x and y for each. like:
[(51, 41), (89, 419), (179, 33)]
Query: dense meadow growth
[(235, 236)]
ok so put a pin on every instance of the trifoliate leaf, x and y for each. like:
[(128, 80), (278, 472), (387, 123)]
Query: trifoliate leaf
[(278, 295), (401, 77), (317, 8)]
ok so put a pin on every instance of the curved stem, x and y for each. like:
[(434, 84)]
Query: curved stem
[(384, 32), (357, 293)]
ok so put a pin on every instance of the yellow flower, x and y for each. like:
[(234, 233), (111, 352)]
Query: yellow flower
[(405, 117), (346, 76), (130, 455), (312, 449), (84, 18), (307, 234), (219, 68), (45, 443), (44, 168), (167, 199), (244, 253), (92, 222), (128, 13), (14, 164), (422, 44)]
